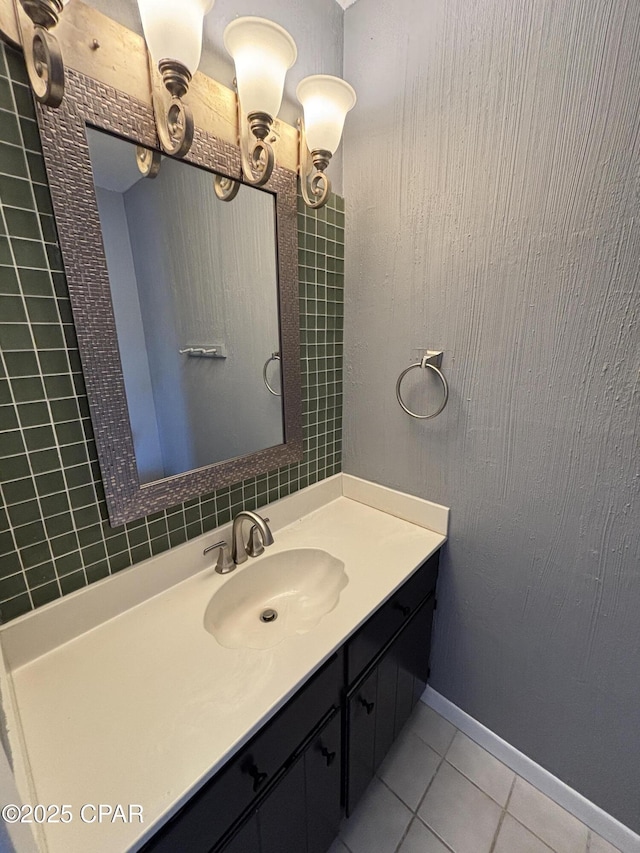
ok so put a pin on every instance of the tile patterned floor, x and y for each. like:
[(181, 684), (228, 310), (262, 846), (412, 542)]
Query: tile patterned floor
[(439, 792)]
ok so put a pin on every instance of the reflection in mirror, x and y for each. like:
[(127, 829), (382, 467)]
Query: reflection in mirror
[(195, 296)]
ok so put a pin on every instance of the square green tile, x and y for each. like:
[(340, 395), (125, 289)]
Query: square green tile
[(36, 167), (57, 525), (28, 389), (7, 544), (36, 282), (72, 582), (54, 363), (39, 438), (66, 543), (94, 553), (10, 564), (82, 496), (54, 504), (64, 410), (15, 191), (15, 336), (117, 544), (6, 258), (8, 418), (68, 563), (44, 460), (5, 393), (29, 534), (48, 336), (14, 468), (140, 552), (49, 233), (9, 281), (13, 161), (118, 562), (54, 257), (33, 414), (42, 310), (90, 535), (32, 555), (30, 134), (14, 607), (43, 198), (6, 97), (49, 483), (24, 101), (97, 571), (29, 253), (12, 309), (15, 65), (45, 594), (9, 127), (86, 516)]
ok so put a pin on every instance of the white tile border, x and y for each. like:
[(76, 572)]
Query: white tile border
[(407, 507), (590, 814)]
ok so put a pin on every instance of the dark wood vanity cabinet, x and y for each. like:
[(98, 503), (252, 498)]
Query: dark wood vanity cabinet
[(288, 788), (302, 812), (380, 702)]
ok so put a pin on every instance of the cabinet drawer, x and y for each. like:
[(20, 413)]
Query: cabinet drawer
[(212, 811), (390, 617)]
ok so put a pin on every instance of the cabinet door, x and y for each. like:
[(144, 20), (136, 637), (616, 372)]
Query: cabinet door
[(282, 816), (422, 648), (323, 777), (397, 683), (361, 738), (247, 839), (386, 698), (413, 648)]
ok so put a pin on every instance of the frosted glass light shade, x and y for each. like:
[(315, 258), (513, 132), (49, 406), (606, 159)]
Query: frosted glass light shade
[(326, 101), (173, 29), (262, 52)]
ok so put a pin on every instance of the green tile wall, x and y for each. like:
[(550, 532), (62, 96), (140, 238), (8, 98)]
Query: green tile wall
[(54, 533)]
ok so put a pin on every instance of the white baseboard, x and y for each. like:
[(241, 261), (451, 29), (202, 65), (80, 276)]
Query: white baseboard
[(593, 816)]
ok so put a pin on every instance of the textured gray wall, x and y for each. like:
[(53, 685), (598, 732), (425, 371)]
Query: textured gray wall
[(493, 209)]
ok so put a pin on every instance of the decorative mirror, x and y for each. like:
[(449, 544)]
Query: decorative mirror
[(186, 306)]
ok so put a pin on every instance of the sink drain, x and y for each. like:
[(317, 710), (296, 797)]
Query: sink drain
[(268, 615)]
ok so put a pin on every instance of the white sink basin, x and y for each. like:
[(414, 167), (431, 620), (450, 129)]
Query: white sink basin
[(300, 586)]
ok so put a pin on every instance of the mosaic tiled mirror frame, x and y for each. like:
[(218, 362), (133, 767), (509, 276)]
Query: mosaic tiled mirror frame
[(66, 153)]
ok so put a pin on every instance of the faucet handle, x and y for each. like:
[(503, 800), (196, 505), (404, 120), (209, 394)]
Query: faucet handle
[(225, 563), (255, 545)]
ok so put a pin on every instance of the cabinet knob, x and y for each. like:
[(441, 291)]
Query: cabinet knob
[(368, 706), (404, 609), (257, 776), (330, 756)]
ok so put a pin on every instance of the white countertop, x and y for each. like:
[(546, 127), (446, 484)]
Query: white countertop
[(143, 708)]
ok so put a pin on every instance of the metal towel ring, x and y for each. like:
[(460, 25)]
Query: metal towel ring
[(426, 361), (275, 356)]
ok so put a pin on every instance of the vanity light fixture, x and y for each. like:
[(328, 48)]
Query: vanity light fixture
[(44, 61), (326, 101), (262, 53), (173, 32)]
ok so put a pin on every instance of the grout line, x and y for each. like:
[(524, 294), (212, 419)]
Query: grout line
[(502, 815)]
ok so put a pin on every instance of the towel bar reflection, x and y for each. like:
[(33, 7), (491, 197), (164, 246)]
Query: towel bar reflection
[(216, 351), (433, 360)]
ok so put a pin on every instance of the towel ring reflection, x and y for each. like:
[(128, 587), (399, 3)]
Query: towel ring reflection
[(275, 356), (431, 360)]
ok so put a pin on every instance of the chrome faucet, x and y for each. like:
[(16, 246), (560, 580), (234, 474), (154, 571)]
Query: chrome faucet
[(240, 551)]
